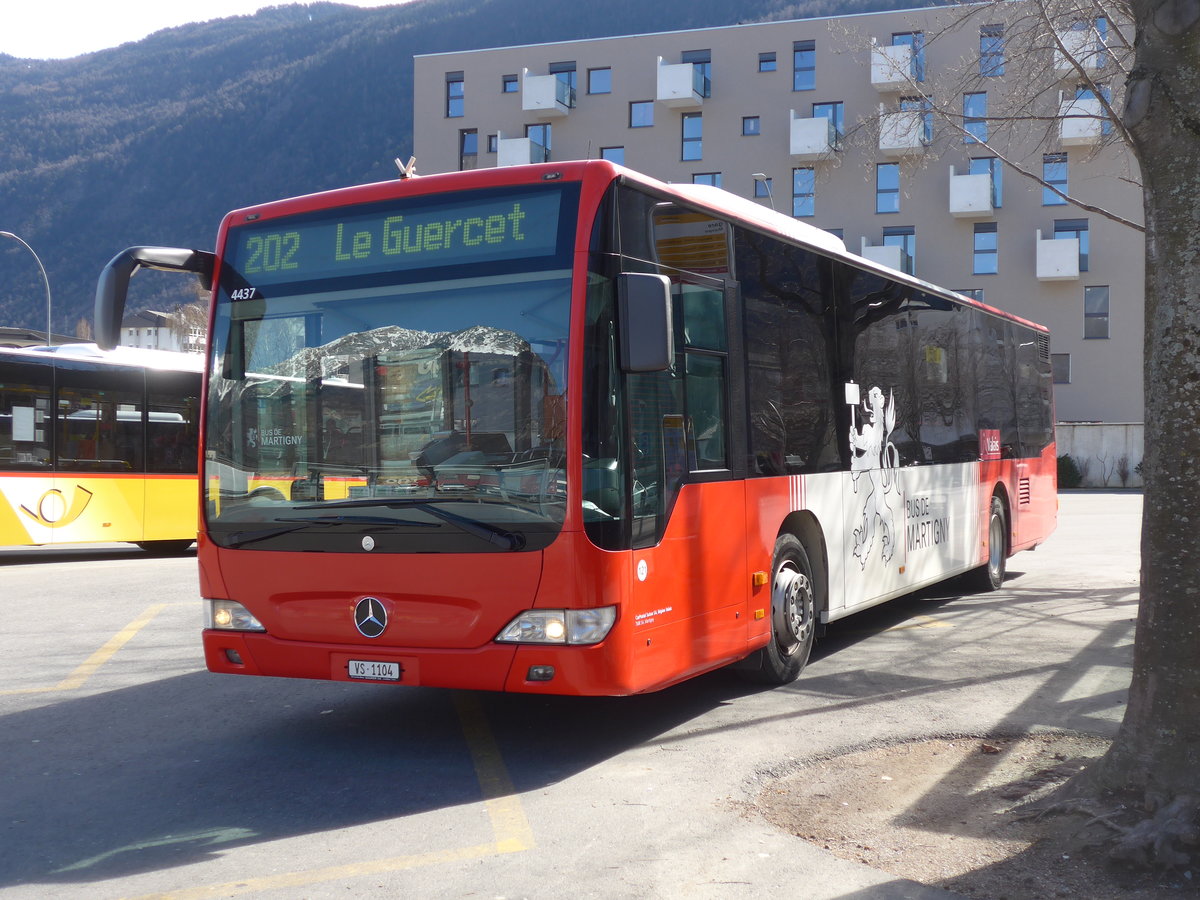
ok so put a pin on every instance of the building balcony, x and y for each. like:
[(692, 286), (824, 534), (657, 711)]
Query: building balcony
[(545, 95), (1083, 49), (891, 67), (888, 255), (519, 152), (680, 85), (1057, 259), (1081, 121), (902, 133), (970, 196), (812, 138)]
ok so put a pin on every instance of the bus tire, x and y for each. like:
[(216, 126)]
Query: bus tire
[(990, 576), (793, 617)]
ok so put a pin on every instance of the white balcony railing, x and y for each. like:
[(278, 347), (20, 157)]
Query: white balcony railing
[(1057, 258), (680, 85), (1083, 48), (546, 95), (812, 138), (891, 67), (902, 133), (888, 255), (518, 152), (970, 195), (1080, 122)]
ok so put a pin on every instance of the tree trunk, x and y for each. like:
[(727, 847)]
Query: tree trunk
[(1157, 751)]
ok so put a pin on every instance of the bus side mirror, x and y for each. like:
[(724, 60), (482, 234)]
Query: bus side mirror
[(113, 285), (647, 337)]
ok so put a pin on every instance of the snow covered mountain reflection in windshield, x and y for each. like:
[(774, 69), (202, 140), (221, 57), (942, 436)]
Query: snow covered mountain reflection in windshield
[(450, 392)]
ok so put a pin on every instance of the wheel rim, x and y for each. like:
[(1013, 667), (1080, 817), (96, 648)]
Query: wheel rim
[(791, 607), (995, 547)]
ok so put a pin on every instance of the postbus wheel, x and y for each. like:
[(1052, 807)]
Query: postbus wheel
[(793, 616), (990, 576)]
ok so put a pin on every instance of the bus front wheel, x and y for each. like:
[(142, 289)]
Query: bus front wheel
[(793, 616)]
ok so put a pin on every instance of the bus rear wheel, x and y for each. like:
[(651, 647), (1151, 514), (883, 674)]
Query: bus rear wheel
[(990, 576), (793, 617)]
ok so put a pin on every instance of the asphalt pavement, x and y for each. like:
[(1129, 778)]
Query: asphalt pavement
[(129, 771)]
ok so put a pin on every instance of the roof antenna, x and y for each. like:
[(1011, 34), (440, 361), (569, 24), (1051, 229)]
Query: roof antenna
[(407, 171)]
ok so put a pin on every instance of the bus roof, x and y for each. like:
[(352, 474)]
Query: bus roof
[(141, 357)]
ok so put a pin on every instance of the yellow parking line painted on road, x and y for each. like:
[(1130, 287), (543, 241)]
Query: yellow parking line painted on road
[(85, 671), (510, 828), (921, 622), (509, 824)]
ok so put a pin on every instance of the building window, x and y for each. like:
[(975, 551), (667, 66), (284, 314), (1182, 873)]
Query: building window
[(613, 154), (887, 188), (1074, 228), (493, 143), (975, 117), (923, 105), (701, 61), (1084, 92), (762, 188), (804, 65), (539, 136), (641, 113), (989, 165), (766, 62), (1095, 312), (1054, 173), (455, 95), (468, 149), (1060, 367), (986, 249), (835, 112), (975, 294), (564, 74), (803, 193), (751, 125), (906, 239), (693, 136), (915, 40), (836, 232), (991, 50), (509, 84), (712, 178), (600, 81)]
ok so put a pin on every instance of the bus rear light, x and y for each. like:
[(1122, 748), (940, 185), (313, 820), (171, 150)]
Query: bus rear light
[(225, 615), (559, 626)]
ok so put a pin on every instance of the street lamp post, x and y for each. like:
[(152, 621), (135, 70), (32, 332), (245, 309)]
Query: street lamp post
[(45, 279), (766, 182)]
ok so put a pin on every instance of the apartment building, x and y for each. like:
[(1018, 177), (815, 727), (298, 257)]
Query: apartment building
[(904, 133)]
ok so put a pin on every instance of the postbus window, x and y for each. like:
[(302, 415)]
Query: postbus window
[(99, 430), (24, 408), (173, 413)]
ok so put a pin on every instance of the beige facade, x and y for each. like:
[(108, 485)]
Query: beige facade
[(907, 188)]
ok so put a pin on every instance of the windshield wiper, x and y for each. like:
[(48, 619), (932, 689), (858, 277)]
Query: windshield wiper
[(493, 534), (241, 538)]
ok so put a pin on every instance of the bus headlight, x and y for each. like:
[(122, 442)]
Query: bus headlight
[(225, 615), (559, 626)]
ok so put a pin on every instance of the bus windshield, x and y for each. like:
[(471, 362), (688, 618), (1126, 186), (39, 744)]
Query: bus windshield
[(393, 377)]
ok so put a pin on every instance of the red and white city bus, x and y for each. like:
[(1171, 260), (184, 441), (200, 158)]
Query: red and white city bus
[(566, 429)]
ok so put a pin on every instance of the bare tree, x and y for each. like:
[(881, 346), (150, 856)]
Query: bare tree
[(1126, 74)]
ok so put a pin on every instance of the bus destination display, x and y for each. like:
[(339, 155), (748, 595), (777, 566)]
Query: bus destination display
[(508, 226)]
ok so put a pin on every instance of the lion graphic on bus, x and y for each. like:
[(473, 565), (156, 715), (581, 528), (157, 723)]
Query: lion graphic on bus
[(873, 454)]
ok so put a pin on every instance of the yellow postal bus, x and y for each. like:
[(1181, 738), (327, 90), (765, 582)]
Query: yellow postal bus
[(98, 446)]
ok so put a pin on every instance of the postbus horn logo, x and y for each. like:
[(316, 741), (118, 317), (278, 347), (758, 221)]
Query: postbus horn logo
[(53, 510)]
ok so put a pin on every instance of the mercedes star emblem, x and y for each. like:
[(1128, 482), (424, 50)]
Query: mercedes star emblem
[(370, 618)]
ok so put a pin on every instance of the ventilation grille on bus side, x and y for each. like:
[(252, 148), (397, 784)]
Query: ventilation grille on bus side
[(1043, 341), (1023, 491)]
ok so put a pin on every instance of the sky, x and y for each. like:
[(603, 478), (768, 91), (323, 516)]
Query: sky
[(58, 29)]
